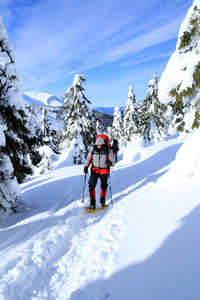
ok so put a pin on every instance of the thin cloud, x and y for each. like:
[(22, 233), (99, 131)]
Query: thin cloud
[(54, 39)]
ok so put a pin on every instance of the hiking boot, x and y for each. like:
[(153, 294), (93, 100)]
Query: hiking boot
[(102, 201), (92, 207)]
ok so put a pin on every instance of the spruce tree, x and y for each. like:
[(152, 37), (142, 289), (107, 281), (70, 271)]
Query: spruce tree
[(20, 143), (46, 149), (109, 131), (57, 140), (131, 118), (80, 122), (9, 187), (179, 86), (116, 125), (98, 128), (45, 124), (153, 119)]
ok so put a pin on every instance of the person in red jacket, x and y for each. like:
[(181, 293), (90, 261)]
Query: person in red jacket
[(101, 158)]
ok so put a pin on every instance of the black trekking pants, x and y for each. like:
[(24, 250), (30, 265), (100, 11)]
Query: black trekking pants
[(93, 181)]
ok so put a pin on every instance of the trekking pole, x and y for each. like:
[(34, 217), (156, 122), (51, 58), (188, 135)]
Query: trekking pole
[(84, 188), (110, 189)]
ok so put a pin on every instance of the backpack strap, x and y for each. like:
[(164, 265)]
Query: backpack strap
[(92, 153)]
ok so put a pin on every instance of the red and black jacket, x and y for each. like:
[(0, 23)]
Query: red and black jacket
[(100, 159)]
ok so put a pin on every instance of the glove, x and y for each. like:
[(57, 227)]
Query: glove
[(85, 170)]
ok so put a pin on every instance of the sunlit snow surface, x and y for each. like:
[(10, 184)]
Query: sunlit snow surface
[(144, 247)]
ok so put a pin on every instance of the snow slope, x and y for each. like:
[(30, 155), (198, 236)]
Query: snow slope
[(39, 98), (145, 247)]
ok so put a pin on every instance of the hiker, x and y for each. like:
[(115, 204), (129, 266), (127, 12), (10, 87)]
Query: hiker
[(115, 148), (102, 158)]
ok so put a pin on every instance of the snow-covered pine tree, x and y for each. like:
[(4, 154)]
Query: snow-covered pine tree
[(57, 140), (20, 143), (98, 128), (108, 132), (131, 118), (9, 188), (47, 149), (45, 124), (139, 110), (80, 130), (179, 86), (152, 118), (116, 125)]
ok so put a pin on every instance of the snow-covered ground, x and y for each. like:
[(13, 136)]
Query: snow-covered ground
[(144, 247)]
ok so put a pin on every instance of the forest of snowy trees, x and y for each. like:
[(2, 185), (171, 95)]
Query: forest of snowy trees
[(28, 146)]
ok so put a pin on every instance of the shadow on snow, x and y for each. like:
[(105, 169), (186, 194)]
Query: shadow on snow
[(124, 181), (171, 273)]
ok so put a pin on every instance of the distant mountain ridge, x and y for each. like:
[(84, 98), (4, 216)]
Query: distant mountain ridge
[(36, 100), (106, 110), (39, 98)]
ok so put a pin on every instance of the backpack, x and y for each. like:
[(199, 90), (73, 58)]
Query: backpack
[(115, 143), (115, 146)]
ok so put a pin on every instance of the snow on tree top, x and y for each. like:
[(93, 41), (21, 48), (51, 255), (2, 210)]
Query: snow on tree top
[(153, 80), (78, 79), (184, 25), (3, 32), (130, 93), (9, 74)]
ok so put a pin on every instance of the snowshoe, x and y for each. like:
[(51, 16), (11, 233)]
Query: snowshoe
[(92, 209), (104, 206)]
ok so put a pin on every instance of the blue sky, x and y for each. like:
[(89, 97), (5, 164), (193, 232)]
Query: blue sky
[(113, 43)]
